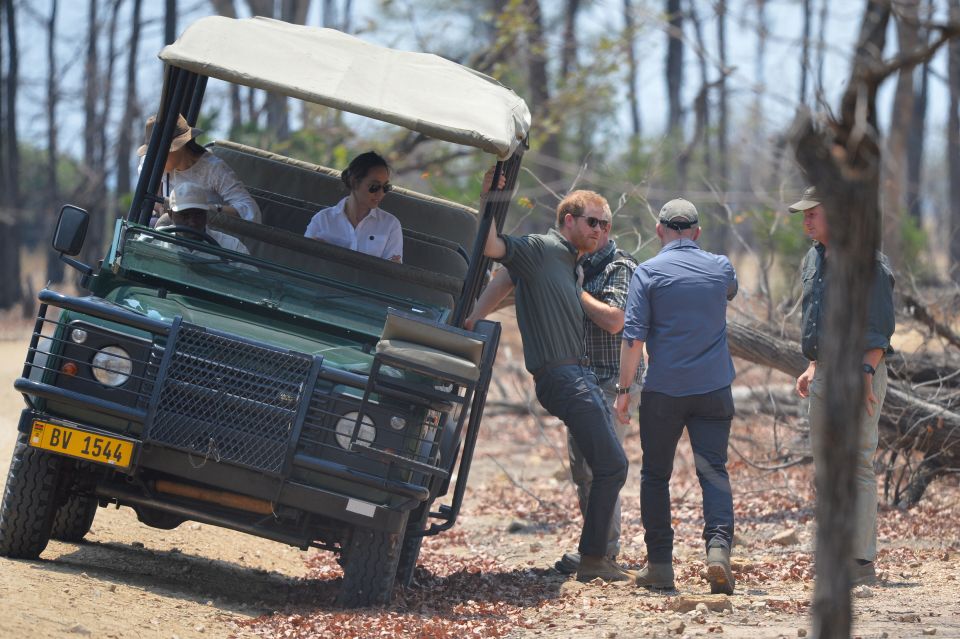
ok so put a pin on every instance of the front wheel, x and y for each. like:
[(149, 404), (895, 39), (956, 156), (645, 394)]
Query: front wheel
[(369, 568), (29, 501)]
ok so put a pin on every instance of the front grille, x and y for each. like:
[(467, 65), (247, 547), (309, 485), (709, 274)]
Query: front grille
[(228, 400)]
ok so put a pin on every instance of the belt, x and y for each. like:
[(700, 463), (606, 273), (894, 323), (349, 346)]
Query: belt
[(570, 361)]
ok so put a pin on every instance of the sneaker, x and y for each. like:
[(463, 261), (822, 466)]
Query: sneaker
[(864, 573), (568, 564), (718, 570), (656, 577), (594, 566)]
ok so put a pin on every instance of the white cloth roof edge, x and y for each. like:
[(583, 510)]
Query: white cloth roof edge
[(418, 91)]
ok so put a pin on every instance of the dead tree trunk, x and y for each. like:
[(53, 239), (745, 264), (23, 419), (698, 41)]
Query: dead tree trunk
[(10, 285), (953, 146), (54, 265), (130, 129), (629, 36), (842, 159)]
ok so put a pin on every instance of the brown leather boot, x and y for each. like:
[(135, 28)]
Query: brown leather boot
[(656, 576), (719, 573), (593, 566)]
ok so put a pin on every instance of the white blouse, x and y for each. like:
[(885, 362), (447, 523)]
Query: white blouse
[(213, 173), (378, 234)]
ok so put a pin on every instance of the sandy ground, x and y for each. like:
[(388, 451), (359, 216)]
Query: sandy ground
[(129, 580)]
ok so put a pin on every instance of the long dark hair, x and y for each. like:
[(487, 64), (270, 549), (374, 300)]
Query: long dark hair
[(360, 166)]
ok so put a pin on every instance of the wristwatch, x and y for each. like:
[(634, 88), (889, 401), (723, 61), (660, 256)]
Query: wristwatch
[(219, 208), (868, 369), (621, 390)]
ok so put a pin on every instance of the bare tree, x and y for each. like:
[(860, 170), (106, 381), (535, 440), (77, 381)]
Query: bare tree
[(953, 146), (629, 37), (805, 51), (916, 141), (92, 189), (227, 9), (10, 286), (722, 232), (170, 22), (674, 66), (538, 82), (568, 51), (895, 164), (842, 157), (130, 121), (54, 265)]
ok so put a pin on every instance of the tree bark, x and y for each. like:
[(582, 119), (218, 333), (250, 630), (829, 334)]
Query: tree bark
[(92, 193), (722, 233), (629, 37), (895, 158), (226, 8), (674, 67), (843, 161), (538, 81), (130, 129), (805, 51), (10, 285), (54, 265), (170, 22), (568, 52), (953, 145)]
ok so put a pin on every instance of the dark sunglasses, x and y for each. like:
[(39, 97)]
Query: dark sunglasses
[(376, 187), (594, 222), (190, 213)]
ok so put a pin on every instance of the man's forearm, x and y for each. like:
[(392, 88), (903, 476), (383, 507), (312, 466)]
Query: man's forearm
[(631, 354), (497, 289), (609, 318)]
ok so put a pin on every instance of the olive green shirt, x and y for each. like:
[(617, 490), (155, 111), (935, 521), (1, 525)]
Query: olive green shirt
[(881, 320), (544, 269)]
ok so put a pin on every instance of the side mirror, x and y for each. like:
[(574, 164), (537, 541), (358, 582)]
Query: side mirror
[(71, 230)]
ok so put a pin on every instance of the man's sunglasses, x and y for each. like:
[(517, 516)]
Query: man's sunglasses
[(594, 222), (374, 188)]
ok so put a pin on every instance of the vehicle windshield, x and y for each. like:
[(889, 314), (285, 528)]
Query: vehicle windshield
[(192, 261)]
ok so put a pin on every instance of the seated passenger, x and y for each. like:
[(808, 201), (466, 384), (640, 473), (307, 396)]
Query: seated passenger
[(187, 161), (188, 207), (357, 222)]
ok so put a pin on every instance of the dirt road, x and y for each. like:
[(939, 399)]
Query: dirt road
[(491, 576)]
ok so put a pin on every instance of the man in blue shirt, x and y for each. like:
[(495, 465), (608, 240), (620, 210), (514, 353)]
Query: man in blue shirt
[(677, 306)]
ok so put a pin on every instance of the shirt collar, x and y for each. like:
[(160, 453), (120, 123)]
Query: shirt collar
[(679, 244), (599, 255), (559, 236)]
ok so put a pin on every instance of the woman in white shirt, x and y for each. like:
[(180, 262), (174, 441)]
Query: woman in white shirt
[(188, 162), (357, 222)]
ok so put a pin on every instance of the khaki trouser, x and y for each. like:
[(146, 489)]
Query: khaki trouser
[(865, 509), (580, 471)]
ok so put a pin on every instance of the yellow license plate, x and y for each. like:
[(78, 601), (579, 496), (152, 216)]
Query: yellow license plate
[(78, 443)]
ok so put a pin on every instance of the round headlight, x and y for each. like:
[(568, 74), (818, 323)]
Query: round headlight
[(78, 336), (345, 428), (112, 366)]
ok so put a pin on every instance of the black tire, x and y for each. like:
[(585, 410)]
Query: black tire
[(369, 568), (29, 501), (74, 518), (410, 546)]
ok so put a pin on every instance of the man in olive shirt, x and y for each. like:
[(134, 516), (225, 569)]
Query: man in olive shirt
[(551, 322), (880, 327)]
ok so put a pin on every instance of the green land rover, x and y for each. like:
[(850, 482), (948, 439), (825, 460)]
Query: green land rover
[(303, 393)]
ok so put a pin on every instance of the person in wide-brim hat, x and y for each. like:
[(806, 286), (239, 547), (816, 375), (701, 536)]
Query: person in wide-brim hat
[(182, 134), (188, 161)]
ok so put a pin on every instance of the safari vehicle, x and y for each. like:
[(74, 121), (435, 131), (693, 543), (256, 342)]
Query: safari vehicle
[(303, 393)]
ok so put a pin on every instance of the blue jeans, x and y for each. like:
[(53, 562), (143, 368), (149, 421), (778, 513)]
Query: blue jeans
[(571, 394), (707, 418)]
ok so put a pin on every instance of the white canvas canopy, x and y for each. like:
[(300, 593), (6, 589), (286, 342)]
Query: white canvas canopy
[(418, 91)]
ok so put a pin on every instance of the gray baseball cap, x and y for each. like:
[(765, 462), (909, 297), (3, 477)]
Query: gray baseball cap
[(809, 200), (679, 211)]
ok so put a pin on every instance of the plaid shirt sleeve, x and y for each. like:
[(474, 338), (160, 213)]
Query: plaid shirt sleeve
[(616, 284)]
